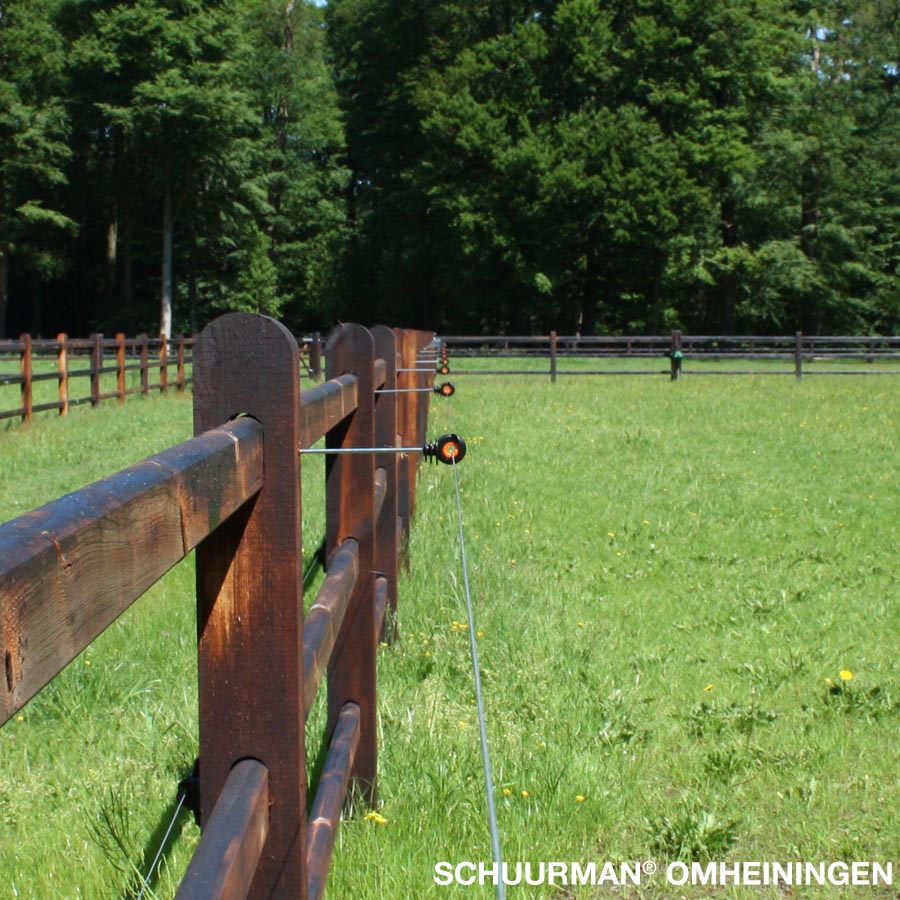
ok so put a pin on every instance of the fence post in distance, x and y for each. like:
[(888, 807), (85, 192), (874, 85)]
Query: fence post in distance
[(120, 366), (315, 356), (26, 364), (163, 364), (96, 365), (553, 349), (62, 369), (676, 355), (145, 365)]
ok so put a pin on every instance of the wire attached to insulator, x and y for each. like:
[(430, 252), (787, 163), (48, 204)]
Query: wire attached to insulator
[(449, 449), (479, 699)]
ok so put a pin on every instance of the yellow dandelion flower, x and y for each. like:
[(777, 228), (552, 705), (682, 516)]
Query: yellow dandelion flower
[(506, 792), (526, 794), (87, 662), (709, 687), (829, 682), (846, 675), (479, 634), (462, 724), (581, 624), (376, 817), (610, 534), (20, 718), (580, 798)]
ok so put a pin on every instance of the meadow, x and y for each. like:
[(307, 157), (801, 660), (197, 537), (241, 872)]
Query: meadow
[(687, 619)]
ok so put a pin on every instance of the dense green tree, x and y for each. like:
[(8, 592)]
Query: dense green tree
[(292, 87), (33, 147), (617, 167), (505, 165)]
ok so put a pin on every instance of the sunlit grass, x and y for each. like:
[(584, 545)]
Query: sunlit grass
[(669, 578)]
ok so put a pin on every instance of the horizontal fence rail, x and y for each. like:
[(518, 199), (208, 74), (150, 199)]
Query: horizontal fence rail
[(798, 353), (39, 375), (232, 493)]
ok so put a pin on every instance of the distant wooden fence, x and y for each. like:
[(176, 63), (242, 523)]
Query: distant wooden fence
[(70, 568), (94, 369), (799, 352)]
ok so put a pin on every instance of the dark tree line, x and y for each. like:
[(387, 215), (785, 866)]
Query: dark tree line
[(716, 165)]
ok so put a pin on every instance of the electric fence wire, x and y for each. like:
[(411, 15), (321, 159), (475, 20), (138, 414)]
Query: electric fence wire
[(146, 881), (479, 700)]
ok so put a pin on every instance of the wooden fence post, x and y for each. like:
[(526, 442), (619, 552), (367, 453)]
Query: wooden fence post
[(145, 365), (553, 357), (96, 365), (798, 355), (250, 594), (406, 428), (426, 380), (350, 508), (180, 370), (676, 355), (26, 364), (120, 366), (386, 544), (163, 364), (62, 368), (315, 356)]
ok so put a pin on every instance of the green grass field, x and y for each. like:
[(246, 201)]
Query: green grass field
[(674, 583)]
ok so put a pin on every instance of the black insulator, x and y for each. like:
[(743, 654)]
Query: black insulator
[(448, 449)]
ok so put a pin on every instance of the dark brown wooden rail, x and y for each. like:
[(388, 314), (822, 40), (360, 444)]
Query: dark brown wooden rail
[(232, 492)]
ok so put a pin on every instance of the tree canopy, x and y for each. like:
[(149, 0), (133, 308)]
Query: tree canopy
[(503, 166)]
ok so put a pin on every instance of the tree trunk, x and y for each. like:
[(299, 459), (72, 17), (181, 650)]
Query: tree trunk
[(165, 319), (112, 254)]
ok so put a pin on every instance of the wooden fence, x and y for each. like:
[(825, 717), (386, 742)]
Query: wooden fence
[(94, 369), (780, 355), (70, 568)]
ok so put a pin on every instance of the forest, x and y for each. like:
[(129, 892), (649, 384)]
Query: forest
[(500, 166)]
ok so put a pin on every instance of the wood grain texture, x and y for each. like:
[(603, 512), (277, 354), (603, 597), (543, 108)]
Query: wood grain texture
[(229, 851), (325, 405), (386, 546), (249, 594), (350, 502), (406, 430), (330, 796), (324, 619), (71, 567)]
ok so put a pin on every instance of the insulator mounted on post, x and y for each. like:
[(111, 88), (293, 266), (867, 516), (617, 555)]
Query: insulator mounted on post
[(448, 449), (446, 389)]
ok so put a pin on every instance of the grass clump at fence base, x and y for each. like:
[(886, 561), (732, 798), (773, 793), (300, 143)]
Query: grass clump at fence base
[(687, 606)]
